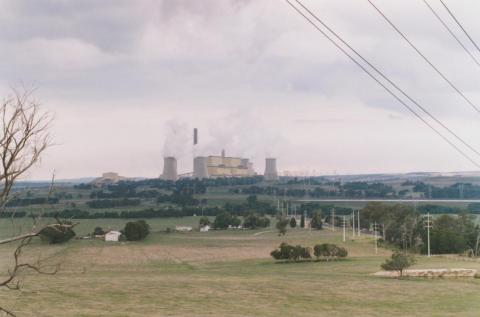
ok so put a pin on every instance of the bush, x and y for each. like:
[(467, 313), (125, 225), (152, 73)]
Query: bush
[(225, 219), (398, 262), (98, 231), (204, 221), (136, 230), (290, 252), (293, 223), (282, 226), (253, 221), (316, 222), (329, 251), (57, 234)]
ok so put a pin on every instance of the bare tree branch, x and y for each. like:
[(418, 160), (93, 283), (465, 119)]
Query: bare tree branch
[(24, 136)]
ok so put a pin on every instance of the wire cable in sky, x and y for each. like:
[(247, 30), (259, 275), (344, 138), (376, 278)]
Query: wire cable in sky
[(440, 134), (451, 32), (388, 79), (460, 25), (424, 57)]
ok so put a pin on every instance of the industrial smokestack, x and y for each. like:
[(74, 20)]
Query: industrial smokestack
[(200, 169), (271, 173), (170, 169)]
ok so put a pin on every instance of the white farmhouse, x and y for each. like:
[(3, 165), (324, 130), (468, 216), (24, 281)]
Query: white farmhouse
[(112, 236)]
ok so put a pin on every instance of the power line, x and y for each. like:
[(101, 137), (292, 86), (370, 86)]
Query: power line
[(380, 83), (460, 25), (390, 81), (424, 57), (451, 32)]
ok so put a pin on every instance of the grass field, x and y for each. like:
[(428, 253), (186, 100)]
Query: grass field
[(230, 274)]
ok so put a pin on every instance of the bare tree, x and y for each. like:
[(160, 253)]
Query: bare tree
[(24, 138)]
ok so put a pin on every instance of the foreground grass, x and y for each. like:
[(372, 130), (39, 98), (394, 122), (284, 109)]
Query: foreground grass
[(231, 274)]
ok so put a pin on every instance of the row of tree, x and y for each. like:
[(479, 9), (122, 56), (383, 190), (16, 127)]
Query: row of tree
[(226, 220), (404, 227), (326, 251)]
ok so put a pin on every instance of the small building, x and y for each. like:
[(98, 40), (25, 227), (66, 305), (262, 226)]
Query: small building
[(112, 236), (205, 228)]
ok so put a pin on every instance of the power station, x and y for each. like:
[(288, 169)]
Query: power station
[(221, 166), (217, 166)]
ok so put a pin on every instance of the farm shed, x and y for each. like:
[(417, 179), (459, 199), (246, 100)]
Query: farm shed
[(112, 236)]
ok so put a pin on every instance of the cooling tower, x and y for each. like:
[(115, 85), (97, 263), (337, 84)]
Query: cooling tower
[(170, 169), (200, 169), (271, 169)]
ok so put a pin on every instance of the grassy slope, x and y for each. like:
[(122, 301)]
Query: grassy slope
[(230, 273)]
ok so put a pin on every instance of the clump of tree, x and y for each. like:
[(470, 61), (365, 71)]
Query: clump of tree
[(291, 253), (136, 230), (204, 221), (98, 231), (302, 221), (398, 225), (57, 234), (399, 261), (403, 227), (316, 222), (329, 251), (224, 220), (293, 222), (281, 225), (253, 221), (452, 234)]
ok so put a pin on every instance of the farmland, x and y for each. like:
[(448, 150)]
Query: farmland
[(222, 273)]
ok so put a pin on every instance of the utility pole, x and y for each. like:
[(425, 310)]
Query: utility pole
[(476, 245), (344, 227), (358, 219), (333, 219), (353, 223), (375, 232), (428, 225)]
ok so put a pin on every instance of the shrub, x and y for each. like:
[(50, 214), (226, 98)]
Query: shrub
[(204, 221), (282, 226), (293, 223), (398, 262), (329, 251), (57, 234), (98, 231), (290, 252), (225, 219), (316, 222), (253, 221), (136, 230)]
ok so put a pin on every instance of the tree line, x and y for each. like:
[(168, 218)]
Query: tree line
[(404, 227)]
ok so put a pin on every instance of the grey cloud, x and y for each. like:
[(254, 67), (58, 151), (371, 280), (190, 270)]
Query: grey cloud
[(191, 59)]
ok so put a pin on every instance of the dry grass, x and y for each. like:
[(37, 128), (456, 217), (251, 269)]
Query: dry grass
[(231, 274)]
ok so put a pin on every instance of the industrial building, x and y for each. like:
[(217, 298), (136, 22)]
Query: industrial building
[(221, 166), (107, 179)]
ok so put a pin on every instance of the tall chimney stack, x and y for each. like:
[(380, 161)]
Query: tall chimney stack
[(170, 169), (271, 173)]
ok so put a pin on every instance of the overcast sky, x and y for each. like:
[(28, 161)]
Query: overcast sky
[(129, 80)]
